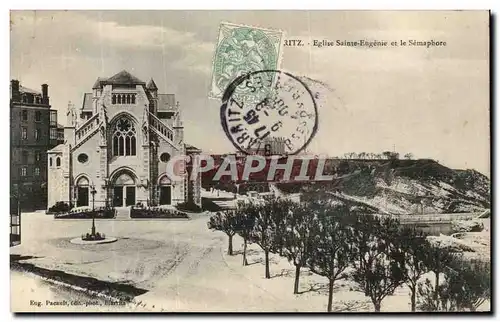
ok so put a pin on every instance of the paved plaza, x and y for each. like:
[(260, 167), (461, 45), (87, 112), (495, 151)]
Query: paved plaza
[(182, 266)]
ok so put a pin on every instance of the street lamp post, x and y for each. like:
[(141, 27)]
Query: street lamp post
[(93, 192)]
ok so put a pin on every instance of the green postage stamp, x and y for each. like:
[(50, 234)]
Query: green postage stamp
[(242, 49)]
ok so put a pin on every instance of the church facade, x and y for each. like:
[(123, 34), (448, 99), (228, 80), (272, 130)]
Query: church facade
[(117, 146)]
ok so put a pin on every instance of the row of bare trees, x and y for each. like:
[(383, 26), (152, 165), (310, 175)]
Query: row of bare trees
[(373, 251), (376, 156)]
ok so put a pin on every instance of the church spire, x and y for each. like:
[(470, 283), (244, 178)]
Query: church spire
[(152, 85), (71, 115), (178, 118)]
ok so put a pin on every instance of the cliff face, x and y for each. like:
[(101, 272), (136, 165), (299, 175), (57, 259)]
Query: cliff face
[(403, 186)]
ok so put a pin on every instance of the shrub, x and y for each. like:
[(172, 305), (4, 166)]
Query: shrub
[(155, 212), (90, 237), (99, 212), (188, 206), (59, 207)]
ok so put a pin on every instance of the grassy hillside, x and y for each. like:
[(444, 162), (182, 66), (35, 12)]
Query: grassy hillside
[(386, 186)]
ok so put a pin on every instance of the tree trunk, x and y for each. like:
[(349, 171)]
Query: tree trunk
[(297, 276), (268, 275), (245, 262), (436, 292), (230, 246), (413, 290), (330, 295), (377, 306)]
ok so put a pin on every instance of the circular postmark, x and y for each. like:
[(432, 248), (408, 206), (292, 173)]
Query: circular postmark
[(270, 111)]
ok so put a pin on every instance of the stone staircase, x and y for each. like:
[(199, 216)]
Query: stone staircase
[(122, 213)]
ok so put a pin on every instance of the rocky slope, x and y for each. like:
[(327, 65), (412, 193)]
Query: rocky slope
[(389, 186), (404, 186)]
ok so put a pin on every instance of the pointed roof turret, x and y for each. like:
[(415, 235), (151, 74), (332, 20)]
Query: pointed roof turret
[(99, 81), (152, 85)]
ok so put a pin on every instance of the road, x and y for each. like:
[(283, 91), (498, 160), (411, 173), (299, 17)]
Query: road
[(179, 263)]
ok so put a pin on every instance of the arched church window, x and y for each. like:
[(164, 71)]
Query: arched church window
[(50, 161), (114, 99), (58, 162), (128, 99), (119, 99), (124, 138), (133, 99)]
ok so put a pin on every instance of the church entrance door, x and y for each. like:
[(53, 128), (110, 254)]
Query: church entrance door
[(118, 196), (124, 190), (83, 197), (130, 196), (165, 195)]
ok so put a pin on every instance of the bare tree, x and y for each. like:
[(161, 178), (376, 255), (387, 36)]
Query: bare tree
[(281, 210), (245, 221), (437, 259), (379, 268), (264, 230), (387, 154), (224, 221), (300, 232), (413, 245), (469, 284), (332, 253), (408, 156), (466, 286), (426, 297)]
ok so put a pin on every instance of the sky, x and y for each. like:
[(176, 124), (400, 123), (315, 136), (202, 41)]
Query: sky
[(431, 102)]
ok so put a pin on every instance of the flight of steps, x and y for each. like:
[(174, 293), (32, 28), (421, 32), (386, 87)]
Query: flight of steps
[(122, 213)]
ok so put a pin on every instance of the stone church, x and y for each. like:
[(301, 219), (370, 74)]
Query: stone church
[(117, 147)]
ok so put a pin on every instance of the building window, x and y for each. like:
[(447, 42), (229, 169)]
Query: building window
[(58, 162), (123, 99), (25, 133), (53, 118), (38, 156), (24, 170), (124, 138), (164, 157), (83, 158), (25, 115), (50, 161), (53, 134), (25, 157), (37, 134), (38, 116), (37, 171)]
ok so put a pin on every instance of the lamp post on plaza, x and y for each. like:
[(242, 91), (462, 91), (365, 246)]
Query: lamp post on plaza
[(93, 192)]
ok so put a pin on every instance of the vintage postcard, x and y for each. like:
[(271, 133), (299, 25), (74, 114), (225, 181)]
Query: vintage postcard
[(250, 161)]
